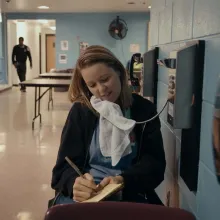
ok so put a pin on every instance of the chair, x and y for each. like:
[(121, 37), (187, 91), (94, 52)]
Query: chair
[(116, 211)]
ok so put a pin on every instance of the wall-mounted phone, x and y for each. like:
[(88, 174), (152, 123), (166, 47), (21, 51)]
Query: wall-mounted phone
[(147, 77), (181, 78), (185, 85), (150, 74), (135, 81)]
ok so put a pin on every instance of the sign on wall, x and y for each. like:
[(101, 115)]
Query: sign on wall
[(134, 48), (64, 45), (63, 58)]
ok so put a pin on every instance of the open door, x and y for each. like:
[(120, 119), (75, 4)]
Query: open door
[(50, 52)]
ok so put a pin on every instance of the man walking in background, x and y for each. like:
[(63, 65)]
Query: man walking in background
[(19, 58)]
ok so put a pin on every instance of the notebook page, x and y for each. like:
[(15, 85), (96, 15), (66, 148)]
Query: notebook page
[(108, 190)]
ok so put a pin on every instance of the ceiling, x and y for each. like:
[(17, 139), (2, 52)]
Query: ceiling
[(76, 5), (45, 23)]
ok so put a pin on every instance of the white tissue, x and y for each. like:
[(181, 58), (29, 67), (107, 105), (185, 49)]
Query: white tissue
[(114, 130)]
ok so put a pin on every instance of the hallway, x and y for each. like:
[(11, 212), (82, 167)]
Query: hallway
[(26, 156)]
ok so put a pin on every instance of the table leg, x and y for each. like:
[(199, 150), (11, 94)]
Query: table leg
[(36, 106), (50, 98), (39, 98)]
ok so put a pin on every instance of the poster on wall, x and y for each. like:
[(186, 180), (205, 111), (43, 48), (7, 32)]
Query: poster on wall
[(134, 48), (64, 45), (82, 47), (63, 58)]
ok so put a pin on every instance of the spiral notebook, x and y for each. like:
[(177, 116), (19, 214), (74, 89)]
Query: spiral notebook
[(106, 192)]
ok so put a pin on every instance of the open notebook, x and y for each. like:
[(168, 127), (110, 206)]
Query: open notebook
[(106, 192)]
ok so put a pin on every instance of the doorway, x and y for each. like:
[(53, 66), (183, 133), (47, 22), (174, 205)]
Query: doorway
[(34, 33), (50, 52)]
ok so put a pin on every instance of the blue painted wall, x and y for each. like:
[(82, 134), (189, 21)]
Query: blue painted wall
[(93, 28), (3, 78), (172, 23)]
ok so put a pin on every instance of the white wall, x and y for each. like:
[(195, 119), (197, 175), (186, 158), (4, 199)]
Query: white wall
[(12, 40), (30, 32), (44, 32)]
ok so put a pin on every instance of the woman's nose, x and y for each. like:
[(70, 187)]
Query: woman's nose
[(102, 89)]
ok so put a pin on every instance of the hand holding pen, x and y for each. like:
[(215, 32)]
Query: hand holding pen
[(84, 186)]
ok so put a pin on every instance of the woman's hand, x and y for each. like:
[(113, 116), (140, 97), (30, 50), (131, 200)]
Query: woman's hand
[(110, 180), (84, 188)]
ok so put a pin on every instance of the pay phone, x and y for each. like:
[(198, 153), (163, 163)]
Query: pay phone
[(185, 84), (136, 58), (150, 74), (148, 77), (181, 83)]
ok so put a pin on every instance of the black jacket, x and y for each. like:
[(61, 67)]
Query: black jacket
[(20, 54), (148, 167)]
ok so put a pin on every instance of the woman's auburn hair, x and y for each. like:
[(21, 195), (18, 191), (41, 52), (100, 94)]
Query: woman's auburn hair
[(78, 90)]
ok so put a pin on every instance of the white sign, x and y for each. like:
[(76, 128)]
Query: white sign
[(134, 48), (63, 58), (64, 45)]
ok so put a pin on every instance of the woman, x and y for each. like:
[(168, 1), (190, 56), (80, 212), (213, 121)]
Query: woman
[(100, 74)]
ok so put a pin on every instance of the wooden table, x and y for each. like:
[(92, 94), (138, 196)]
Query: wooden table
[(46, 83)]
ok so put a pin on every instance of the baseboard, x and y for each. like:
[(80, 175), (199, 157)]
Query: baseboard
[(5, 89)]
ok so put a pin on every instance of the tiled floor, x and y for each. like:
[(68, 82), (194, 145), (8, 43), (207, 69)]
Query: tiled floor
[(26, 156)]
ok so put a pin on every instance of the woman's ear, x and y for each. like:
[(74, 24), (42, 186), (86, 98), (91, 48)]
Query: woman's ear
[(84, 87)]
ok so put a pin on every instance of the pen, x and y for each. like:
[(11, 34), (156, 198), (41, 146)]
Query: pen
[(74, 167)]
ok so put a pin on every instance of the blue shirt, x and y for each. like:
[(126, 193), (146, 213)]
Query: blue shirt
[(100, 166)]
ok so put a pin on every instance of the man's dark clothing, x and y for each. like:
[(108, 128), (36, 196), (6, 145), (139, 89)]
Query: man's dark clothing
[(21, 70), (19, 57)]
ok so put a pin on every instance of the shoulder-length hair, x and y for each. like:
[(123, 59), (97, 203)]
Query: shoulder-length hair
[(78, 90)]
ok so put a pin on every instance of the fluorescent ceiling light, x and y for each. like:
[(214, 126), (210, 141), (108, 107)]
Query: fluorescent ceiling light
[(20, 21), (43, 7), (43, 21), (53, 28), (149, 7)]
